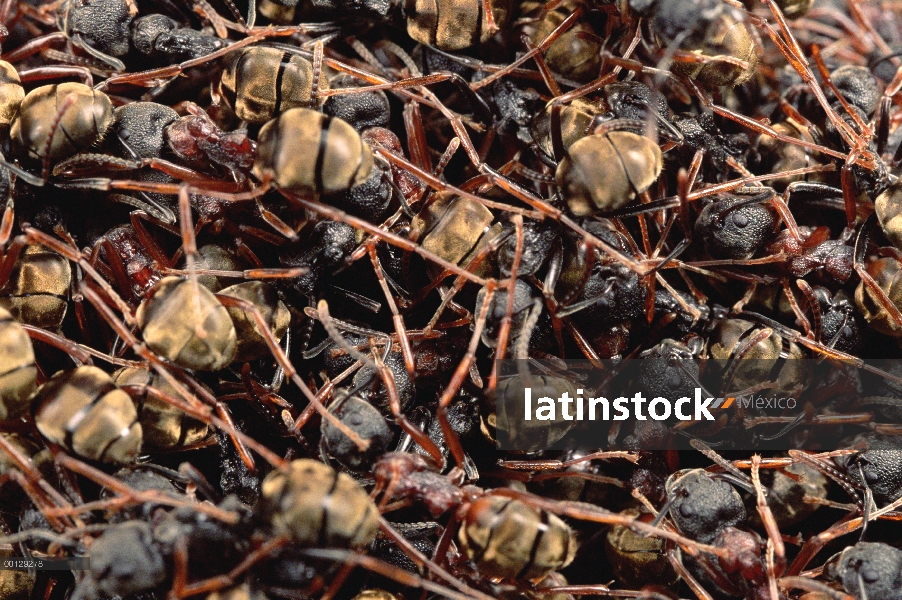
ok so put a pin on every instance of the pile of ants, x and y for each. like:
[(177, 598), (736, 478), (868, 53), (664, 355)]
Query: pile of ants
[(265, 266)]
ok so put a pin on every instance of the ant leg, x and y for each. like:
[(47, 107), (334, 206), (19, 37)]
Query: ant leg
[(584, 511), (448, 295), (117, 65), (275, 222), (819, 588), (317, 71), (189, 247), (209, 16), (827, 352), (444, 542), (490, 24), (789, 47), (397, 319), (849, 194), (800, 315), (736, 184), (6, 223), (568, 22), (876, 292), (74, 166), (760, 127), (681, 56), (814, 544), (819, 190), (179, 568), (847, 483), (871, 32), (322, 394), (882, 124), (446, 157), (337, 582), (137, 219), (51, 135), (103, 184), (781, 205), (865, 131), (114, 269), (30, 479), (10, 258), (385, 236), (322, 314), (33, 46), (394, 573), (247, 274), (223, 581), (504, 332), (676, 560), (550, 211), (57, 72), (775, 538), (155, 77), (36, 236), (289, 369), (74, 350), (457, 379), (416, 134), (187, 402), (43, 504), (246, 253), (547, 76), (543, 465), (815, 307), (422, 560)]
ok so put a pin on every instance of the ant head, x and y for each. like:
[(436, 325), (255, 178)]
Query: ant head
[(702, 504)]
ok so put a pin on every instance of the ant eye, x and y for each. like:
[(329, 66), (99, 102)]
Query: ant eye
[(871, 476), (740, 219), (869, 573)]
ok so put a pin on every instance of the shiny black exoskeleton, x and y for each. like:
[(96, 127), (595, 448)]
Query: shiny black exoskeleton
[(538, 240), (842, 327), (700, 132), (667, 369), (735, 228), (109, 29), (135, 557), (524, 312), (878, 465), (609, 293), (871, 570), (858, 86), (328, 246), (363, 110), (159, 36), (701, 506), (139, 129), (370, 200), (636, 101), (364, 420), (101, 24)]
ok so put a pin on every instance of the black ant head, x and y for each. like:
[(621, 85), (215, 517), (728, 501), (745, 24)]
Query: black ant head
[(868, 570), (701, 505), (878, 466)]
